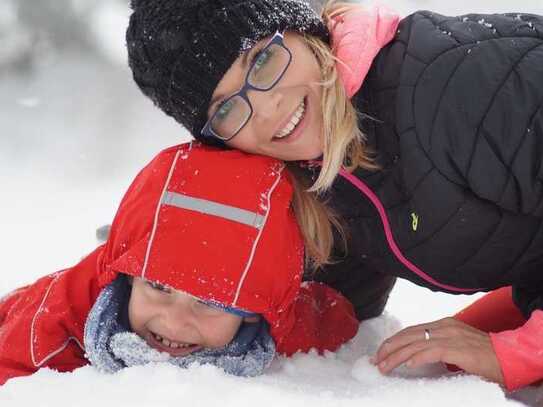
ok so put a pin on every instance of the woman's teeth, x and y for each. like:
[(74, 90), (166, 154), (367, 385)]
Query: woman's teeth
[(294, 120), (171, 344)]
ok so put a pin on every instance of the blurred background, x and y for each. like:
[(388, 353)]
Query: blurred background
[(75, 129)]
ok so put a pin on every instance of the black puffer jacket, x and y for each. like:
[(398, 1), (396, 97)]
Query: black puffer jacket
[(458, 103)]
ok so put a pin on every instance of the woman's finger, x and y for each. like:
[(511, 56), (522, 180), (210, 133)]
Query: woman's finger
[(432, 354), (401, 339), (411, 334), (404, 354)]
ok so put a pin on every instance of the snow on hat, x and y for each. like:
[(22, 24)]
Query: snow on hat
[(179, 50), (217, 224)]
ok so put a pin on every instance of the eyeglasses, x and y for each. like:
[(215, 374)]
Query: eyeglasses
[(267, 69)]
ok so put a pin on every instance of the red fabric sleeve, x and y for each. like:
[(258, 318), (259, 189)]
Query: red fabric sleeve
[(324, 320), (520, 352), (41, 325), (66, 361), (494, 312), (517, 342), (8, 372)]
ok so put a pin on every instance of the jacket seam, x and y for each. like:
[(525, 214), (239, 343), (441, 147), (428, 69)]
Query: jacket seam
[(495, 151), (441, 96), (474, 42), (492, 99), (415, 86), (412, 104), (157, 212), (257, 240), (527, 246), (32, 333), (515, 155), (485, 241), (530, 124)]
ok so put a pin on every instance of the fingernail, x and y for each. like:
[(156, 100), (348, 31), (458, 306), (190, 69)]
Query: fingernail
[(409, 363), (383, 364)]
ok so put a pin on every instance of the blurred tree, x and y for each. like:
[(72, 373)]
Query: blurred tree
[(31, 29)]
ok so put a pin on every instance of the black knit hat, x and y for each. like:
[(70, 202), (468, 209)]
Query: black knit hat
[(179, 50)]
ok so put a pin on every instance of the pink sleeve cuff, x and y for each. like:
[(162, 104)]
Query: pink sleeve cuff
[(520, 352)]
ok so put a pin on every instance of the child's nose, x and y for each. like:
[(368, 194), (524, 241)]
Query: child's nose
[(179, 313)]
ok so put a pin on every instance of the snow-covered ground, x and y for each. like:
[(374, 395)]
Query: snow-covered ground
[(74, 133)]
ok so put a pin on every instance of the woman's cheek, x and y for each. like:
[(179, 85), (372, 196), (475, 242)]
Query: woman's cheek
[(244, 141)]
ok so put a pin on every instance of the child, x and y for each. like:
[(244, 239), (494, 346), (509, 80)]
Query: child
[(441, 187), (203, 264)]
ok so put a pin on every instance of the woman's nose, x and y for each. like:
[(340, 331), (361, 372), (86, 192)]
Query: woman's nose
[(266, 104)]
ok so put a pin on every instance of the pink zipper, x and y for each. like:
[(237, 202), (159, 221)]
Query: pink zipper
[(390, 239)]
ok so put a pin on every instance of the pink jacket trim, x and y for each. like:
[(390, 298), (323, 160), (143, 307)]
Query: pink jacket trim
[(520, 352), (357, 36), (390, 238)]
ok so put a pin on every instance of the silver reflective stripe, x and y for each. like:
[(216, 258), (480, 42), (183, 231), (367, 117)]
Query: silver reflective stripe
[(213, 208)]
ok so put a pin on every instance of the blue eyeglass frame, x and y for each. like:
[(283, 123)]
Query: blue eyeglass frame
[(231, 310), (207, 131)]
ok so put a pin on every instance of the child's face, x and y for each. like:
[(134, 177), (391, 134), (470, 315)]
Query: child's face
[(175, 322), (274, 109)]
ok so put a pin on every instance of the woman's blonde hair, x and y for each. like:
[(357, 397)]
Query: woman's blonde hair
[(343, 147)]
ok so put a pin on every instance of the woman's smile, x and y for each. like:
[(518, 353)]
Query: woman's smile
[(295, 125)]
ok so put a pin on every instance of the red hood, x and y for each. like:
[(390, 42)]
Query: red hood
[(215, 223), (216, 250)]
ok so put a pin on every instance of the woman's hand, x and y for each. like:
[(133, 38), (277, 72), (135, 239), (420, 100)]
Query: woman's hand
[(448, 341)]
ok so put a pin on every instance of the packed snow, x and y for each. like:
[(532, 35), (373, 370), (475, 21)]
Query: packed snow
[(75, 131)]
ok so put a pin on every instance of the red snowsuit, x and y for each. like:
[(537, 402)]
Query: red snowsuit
[(217, 224)]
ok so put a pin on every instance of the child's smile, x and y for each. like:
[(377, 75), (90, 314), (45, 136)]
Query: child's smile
[(173, 348), (177, 323)]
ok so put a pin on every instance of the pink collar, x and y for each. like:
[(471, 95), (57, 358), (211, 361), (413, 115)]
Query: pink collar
[(357, 37)]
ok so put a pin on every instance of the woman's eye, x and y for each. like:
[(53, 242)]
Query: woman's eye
[(158, 287), (262, 58), (224, 109)]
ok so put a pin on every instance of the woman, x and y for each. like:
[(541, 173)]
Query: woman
[(439, 179)]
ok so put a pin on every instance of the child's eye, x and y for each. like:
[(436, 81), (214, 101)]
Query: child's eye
[(159, 287), (208, 308), (203, 303)]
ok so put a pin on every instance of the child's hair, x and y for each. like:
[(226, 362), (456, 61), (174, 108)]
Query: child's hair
[(343, 147)]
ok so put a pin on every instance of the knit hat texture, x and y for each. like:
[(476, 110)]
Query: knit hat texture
[(179, 50)]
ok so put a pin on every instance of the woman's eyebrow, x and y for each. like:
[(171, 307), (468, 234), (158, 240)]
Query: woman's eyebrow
[(245, 56), (215, 100), (244, 62)]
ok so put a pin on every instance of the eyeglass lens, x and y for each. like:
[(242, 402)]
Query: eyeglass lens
[(268, 68)]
